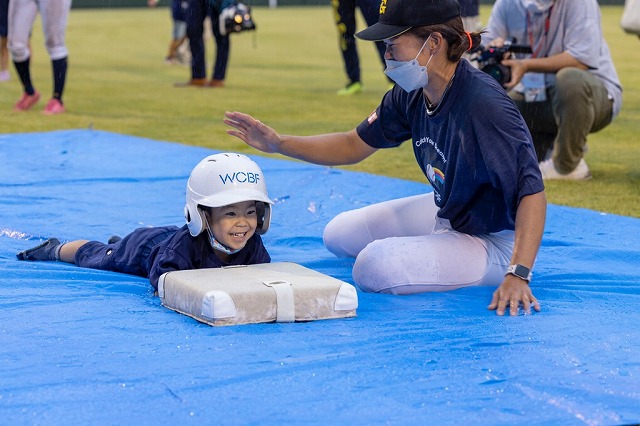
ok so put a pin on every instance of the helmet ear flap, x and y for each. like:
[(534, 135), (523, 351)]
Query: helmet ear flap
[(195, 218), (264, 217)]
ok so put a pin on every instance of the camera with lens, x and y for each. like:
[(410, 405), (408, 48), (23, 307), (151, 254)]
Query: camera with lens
[(235, 17), (489, 59)]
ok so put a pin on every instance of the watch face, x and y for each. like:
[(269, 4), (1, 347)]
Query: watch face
[(522, 271)]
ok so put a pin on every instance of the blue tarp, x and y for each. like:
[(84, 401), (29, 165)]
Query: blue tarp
[(79, 346)]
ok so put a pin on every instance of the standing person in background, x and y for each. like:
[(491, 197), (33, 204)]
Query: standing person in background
[(179, 31), (345, 16), (470, 12), (197, 12), (568, 87), (54, 14), (4, 51)]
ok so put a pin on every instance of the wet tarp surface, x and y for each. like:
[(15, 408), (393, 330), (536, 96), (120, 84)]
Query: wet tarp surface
[(80, 346)]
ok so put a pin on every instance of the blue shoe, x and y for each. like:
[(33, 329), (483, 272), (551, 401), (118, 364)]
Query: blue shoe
[(48, 250)]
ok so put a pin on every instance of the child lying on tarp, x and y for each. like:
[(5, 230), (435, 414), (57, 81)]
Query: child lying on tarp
[(226, 196)]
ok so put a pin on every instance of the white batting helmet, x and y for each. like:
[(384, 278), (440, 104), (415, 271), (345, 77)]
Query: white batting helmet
[(223, 179)]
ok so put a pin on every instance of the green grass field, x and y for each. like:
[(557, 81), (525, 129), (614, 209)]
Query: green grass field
[(286, 74)]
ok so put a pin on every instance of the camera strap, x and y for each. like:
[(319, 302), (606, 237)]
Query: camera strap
[(538, 45)]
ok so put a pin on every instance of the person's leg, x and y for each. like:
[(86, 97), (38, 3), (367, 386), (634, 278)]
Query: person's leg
[(223, 46), (173, 44), (350, 232), (129, 255), (22, 14), (172, 54), (195, 15), (179, 35), (4, 59), (539, 119), (581, 106), (54, 23), (52, 249), (345, 17), (4, 31), (68, 250), (371, 12), (443, 261)]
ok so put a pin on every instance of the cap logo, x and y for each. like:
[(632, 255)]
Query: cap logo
[(383, 7)]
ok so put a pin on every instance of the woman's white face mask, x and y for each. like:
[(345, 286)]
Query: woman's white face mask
[(537, 6), (409, 75)]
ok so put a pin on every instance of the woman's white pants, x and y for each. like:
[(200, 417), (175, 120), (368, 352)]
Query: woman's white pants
[(402, 247)]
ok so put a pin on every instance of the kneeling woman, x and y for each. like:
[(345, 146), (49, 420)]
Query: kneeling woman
[(483, 222)]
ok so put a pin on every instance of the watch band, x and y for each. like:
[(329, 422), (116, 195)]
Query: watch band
[(520, 271)]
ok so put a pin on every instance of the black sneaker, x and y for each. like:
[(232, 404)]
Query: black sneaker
[(44, 251), (114, 239)]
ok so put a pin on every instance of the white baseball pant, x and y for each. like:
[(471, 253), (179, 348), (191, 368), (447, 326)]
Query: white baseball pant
[(402, 247), (22, 15)]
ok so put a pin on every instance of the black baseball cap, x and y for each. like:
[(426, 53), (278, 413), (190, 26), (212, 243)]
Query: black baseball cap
[(398, 16)]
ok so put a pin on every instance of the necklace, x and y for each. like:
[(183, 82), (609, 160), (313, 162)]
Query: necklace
[(431, 107)]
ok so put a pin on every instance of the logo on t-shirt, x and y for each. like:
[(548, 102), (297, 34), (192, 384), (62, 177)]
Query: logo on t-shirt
[(436, 177)]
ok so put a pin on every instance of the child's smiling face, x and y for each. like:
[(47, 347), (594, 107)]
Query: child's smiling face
[(234, 224)]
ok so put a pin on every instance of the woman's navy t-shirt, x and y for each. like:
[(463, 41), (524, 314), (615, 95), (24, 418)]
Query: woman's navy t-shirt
[(475, 149)]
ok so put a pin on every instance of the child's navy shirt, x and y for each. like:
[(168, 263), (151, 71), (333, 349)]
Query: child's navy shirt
[(183, 251)]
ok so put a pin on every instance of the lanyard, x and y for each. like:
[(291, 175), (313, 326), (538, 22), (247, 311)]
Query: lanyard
[(538, 49)]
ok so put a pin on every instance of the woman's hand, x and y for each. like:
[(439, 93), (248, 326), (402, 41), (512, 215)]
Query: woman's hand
[(512, 292), (253, 132)]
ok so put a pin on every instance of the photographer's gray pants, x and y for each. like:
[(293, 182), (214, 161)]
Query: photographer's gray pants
[(577, 105)]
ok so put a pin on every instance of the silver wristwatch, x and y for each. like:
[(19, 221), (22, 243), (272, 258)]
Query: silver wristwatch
[(520, 271)]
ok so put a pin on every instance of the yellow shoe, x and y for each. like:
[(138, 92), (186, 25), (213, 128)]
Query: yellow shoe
[(350, 89)]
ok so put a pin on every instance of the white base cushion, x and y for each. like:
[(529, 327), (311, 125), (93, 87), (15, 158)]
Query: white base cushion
[(269, 292)]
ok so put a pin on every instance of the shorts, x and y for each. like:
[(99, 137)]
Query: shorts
[(179, 29), (128, 256)]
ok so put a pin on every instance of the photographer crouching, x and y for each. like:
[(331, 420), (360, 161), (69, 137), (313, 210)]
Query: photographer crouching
[(566, 87)]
